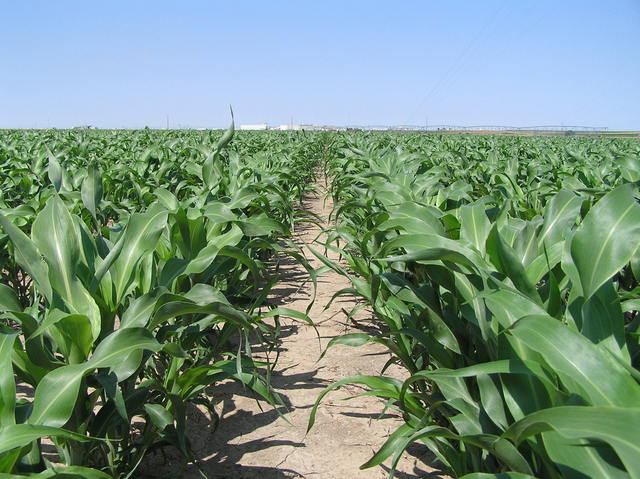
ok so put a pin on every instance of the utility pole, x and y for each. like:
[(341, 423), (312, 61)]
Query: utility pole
[(167, 122)]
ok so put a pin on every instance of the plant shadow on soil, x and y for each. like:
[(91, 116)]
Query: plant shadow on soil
[(254, 442), (223, 460)]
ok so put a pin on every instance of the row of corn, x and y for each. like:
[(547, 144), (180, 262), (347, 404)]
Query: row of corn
[(505, 275), (135, 269)]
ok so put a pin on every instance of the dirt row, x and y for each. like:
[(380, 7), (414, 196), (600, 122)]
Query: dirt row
[(254, 440)]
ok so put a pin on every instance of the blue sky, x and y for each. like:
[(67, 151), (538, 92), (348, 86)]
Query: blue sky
[(133, 63)]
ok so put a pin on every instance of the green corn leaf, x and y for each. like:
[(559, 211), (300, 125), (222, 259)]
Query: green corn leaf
[(160, 417), (474, 225), (607, 238), (122, 351), (243, 198), (613, 425), (28, 257), (76, 332), (19, 435), (8, 299), (242, 257), (561, 211), (289, 313), (64, 472), (56, 395), (55, 235), (545, 262), (174, 309), (139, 311), (57, 392), (578, 458), (207, 254), (167, 199), (582, 366), (497, 475), (7, 381), (141, 236), (91, 191), (261, 225), (397, 441), (432, 247), (55, 173), (506, 261), (629, 167), (104, 265), (602, 321), (382, 386)]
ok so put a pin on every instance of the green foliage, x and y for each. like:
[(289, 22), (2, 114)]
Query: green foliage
[(504, 271), (135, 267)]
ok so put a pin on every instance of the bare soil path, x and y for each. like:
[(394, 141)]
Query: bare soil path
[(253, 441)]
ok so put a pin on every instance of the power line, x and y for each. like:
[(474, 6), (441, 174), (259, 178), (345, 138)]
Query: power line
[(452, 70)]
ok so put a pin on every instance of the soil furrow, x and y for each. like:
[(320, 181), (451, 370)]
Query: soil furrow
[(255, 441)]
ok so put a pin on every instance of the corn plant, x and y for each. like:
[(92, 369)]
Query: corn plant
[(509, 297), (126, 295)]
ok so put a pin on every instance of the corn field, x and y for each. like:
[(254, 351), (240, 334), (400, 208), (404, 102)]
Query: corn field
[(136, 268)]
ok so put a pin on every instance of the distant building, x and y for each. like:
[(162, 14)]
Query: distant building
[(258, 126), (290, 127)]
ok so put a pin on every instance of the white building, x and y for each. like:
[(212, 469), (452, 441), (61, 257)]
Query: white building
[(258, 126)]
